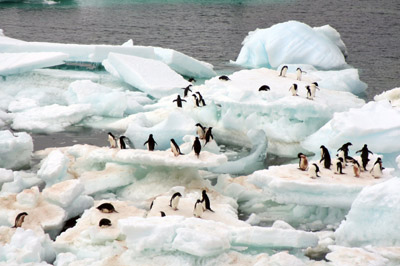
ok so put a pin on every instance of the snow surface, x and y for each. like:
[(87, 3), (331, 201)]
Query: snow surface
[(15, 149)]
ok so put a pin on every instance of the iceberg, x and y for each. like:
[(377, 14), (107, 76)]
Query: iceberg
[(15, 149), (274, 46), (393, 96), (54, 168), (15, 63)]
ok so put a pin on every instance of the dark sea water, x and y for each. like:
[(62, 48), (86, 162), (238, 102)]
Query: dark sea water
[(212, 31)]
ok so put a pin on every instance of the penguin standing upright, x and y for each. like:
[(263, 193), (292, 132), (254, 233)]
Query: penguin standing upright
[(356, 168), (19, 219), (345, 149), (174, 201), (364, 156), (150, 143), (283, 71), (175, 148), (293, 89), (201, 99), (303, 162), (309, 94), (112, 140), (209, 135), (106, 208), (314, 88), (325, 157), (201, 131), (186, 91), (299, 72), (198, 209), (313, 171), (339, 165), (179, 101), (121, 143), (196, 100), (376, 170), (205, 201), (197, 147)]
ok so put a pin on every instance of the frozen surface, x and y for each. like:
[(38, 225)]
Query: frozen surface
[(149, 75), (292, 42), (393, 96), (54, 168), (354, 257), (15, 149), (15, 63), (373, 217)]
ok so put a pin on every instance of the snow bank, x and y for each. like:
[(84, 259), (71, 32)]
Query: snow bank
[(292, 42), (15, 149)]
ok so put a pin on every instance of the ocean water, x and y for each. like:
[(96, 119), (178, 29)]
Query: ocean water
[(212, 30)]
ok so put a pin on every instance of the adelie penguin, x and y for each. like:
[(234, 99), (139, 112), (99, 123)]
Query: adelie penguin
[(224, 78), (209, 135), (175, 148), (364, 156), (150, 143), (205, 201), (201, 99), (339, 165), (376, 170), (174, 201), (303, 161), (314, 88), (313, 170), (191, 80), (264, 88), (179, 101), (197, 147), (284, 69), (325, 156), (104, 223), (186, 91), (309, 94), (345, 149), (299, 72), (198, 209), (201, 131), (195, 100), (106, 208), (112, 140), (19, 219), (293, 89), (121, 143), (356, 168)]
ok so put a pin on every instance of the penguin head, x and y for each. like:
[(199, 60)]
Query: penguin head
[(162, 214), (322, 147), (110, 134), (300, 155), (315, 83)]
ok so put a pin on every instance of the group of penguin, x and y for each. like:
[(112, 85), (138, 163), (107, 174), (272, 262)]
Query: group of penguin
[(340, 162), (197, 97), (311, 89), (202, 132), (200, 207)]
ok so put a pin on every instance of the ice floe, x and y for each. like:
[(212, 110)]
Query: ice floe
[(15, 149)]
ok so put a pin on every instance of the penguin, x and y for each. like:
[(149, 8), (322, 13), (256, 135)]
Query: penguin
[(364, 156), (224, 78), (106, 208), (309, 94), (376, 170), (293, 89), (313, 171), (121, 143), (264, 88), (201, 131), (283, 71), (179, 101), (150, 143), (162, 214), (105, 223), (192, 80), (342, 156), (201, 99), (19, 219), (314, 88), (197, 147), (186, 91), (175, 148), (209, 136), (303, 162), (205, 201), (325, 157), (198, 209), (345, 149), (174, 201), (356, 168), (112, 140), (195, 100), (339, 165), (299, 72)]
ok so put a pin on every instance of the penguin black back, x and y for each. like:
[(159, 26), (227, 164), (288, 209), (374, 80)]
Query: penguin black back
[(264, 88), (224, 78), (104, 222), (197, 147), (162, 214), (19, 219), (122, 144), (150, 143), (176, 194), (106, 208), (325, 156), (186, 91), (209, 135), (206, 201)]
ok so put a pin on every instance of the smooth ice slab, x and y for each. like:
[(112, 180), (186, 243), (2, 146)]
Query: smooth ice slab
[(373, 217), (148, 75), (16, 63), (292, 42), (15, 149)]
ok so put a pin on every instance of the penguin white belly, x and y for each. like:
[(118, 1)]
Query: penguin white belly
[(175, 202), (376, 171), (198, 210)]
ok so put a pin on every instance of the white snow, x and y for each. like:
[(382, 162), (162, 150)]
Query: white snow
[(292, 42), (15, 149)]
